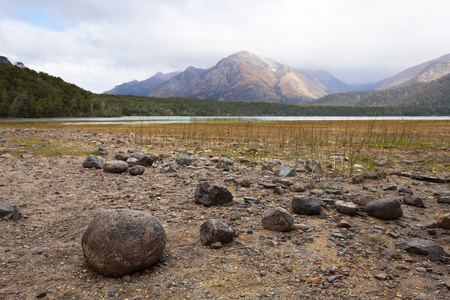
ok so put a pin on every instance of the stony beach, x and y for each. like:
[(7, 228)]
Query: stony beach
[(340, 253)]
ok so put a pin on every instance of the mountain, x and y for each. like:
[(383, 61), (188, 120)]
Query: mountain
[(245, 76), (425, 72), (5, 60), (141, 88), (432, 98)]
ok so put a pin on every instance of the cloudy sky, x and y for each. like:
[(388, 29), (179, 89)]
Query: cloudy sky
[(98, 44)]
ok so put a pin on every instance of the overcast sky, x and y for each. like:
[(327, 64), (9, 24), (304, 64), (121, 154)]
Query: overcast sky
[(98, 44)]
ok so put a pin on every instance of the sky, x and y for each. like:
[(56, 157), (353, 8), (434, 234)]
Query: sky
[(98, 44)]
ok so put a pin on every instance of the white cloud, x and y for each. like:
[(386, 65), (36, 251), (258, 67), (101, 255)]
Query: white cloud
[(107, 42)]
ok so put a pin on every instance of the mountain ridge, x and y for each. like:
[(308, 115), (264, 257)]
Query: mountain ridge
[(424, 72), (245, 76)]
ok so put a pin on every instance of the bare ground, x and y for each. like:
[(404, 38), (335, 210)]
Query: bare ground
[(41, 255)]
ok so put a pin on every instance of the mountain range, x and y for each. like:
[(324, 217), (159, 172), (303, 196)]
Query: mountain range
[(248, 77)]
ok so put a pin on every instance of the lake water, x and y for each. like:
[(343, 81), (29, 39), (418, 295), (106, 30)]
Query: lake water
[(163, 120)]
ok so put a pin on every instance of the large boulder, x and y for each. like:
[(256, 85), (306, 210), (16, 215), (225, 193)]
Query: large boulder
[(213, 231), (385, 209), (212, 195), (277, 219), (120, 242), (116, 166), (93, 161), (306, 205)]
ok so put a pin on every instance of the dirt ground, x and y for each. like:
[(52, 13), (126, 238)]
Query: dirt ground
[(41, 255)]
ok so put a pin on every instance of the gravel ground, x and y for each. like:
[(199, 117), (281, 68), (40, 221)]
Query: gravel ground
[(41, 255)]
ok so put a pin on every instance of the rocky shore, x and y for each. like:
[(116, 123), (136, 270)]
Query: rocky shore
[(341, 251)]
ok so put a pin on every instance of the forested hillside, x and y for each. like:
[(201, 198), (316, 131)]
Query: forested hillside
[(26, 93)]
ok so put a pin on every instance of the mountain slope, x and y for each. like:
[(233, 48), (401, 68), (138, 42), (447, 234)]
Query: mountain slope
[(27, 93), (141, 88), (425, 72), (5, 60), (433, 97), (245, 76)]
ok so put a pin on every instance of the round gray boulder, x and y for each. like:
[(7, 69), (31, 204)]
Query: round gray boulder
[(277, 219), (93, 161), (116, 166), (120, 242), (385, 209)]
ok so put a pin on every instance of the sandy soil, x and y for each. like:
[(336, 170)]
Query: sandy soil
[(41, 255)]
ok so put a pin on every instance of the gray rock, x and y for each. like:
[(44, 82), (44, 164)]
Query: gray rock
[(120, 242), (138, 155), (93, 161), (116, 166), (251, 200), (226, 161), (390, 187), (269, 186), (279, 190), (306, 205), (358, 179), (6, 155), (136, 170), (414, 201), (346, 208), (185, 160), (285, 172), (172, 168), (212, 195), (422, 247), (121, 156), (404, 190), (334, 191), (297, 188), (277, 219), (9, 211), (364, 200), (131, 161), (443, 199), (313, 166), (385, 209), (213, 231), (145, 161)]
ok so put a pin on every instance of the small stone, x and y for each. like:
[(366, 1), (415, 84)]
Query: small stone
[(358, 179), (6, 155), (443, 221), (346, 208), (93, 161), (136, 170), (404, 190), (213, 231), (385, 209), (364, 200), (216, 245), (116, 166), (313, 166), (211, 195), (345, 223), (277, 219), (390, 187), (126, 278), (297, 188), (251, 200), (26, 156), (185, 160), (422, 247), (413, 201), (285, 172), (279, 190), (307, 205), (381, 276)]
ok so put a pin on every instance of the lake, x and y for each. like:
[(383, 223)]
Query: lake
[(174, 119)]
